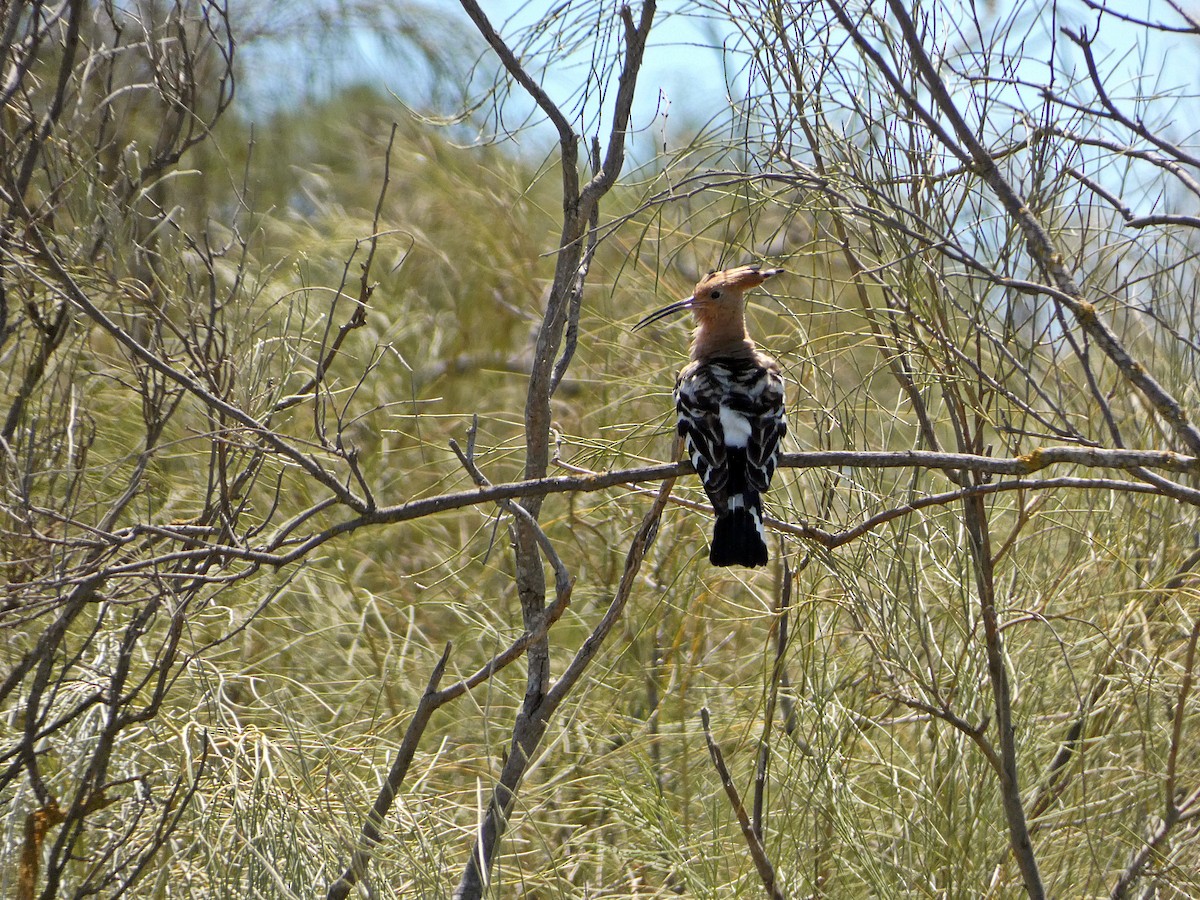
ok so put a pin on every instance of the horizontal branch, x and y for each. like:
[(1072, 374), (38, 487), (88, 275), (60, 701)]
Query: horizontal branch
[(1026, 464), (833, 540), (284, 549)]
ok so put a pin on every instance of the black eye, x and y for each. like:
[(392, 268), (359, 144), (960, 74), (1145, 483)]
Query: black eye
[(716, 295)]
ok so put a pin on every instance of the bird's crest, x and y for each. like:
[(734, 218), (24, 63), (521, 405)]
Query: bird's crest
[(713, 288), (743, 278)]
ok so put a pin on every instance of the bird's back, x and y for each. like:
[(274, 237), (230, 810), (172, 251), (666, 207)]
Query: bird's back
[(731, 416)]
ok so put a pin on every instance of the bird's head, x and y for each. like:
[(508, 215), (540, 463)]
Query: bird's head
[(718, 296)]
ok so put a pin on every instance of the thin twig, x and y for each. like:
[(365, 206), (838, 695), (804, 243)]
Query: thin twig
[(964, 143), (1174, 811), (766, 871), (527, 731), (371, 835), (366, 288), (782, 610), (1020, 842)]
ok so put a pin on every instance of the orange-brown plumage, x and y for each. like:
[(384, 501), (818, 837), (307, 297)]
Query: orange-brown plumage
[(721, 319)]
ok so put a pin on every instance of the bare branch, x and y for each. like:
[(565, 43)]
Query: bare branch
[(975, 516), (1175, 808), (371, 834), (766, 871), (1038, 240), (777, 677)]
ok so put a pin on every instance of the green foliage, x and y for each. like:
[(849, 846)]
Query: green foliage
[(276, 696), (866, 797)]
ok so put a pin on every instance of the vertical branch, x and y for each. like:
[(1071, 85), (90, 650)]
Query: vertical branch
[(371, 835), (782, 611), (975, 515), (576, 300), (573, 257), (766, 871), (1174, 811)]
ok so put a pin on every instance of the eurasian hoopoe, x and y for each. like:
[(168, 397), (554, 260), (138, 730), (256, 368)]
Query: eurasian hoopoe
[(730, 404)]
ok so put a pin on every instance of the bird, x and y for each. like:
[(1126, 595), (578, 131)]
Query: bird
[(730, 404)]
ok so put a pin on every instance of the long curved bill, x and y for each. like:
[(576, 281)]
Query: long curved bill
[(675, 307)]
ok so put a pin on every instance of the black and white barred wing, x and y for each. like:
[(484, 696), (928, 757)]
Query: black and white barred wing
[(698, 404), (765, 412), (731, 417)]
